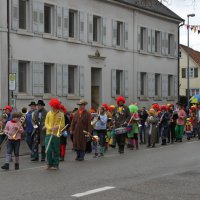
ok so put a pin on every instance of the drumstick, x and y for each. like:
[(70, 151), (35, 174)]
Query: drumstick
[(64, 127)]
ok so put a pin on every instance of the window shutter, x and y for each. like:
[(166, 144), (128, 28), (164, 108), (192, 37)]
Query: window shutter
[(151, 84), (126, 35), (59, 79), (65, 80), (139, 84), (82, 81), (59, 21), (176, 86), (15, 69), (164, 85), (41, 17), (90, 28), (81, 21), (166, 44), (113, 83), (139, 38), (149, 39), (36, 82), (35, 16), (153, 40), (65, 23), (163, 43), (41, 78), (114, 33), (104, 31), (126, 83), (175, 47), (15, 14)]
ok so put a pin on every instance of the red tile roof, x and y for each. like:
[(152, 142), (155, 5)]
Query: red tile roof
[(195, 55)]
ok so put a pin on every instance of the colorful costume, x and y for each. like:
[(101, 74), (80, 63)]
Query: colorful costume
[(188, 129)]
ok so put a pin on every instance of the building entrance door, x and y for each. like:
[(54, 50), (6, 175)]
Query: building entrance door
[(96, 87)]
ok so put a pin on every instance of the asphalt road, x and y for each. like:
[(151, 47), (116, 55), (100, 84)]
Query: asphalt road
[(163, 173)]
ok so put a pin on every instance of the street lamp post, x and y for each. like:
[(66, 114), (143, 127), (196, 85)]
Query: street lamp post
[(188, 62)]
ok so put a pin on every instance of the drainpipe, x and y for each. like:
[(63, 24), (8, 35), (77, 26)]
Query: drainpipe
[(8, 44), (183, 23)]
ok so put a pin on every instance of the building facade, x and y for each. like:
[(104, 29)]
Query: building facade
[(92, 49), (194, 71)]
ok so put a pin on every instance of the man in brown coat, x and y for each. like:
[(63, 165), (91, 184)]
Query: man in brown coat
[(81, 122)]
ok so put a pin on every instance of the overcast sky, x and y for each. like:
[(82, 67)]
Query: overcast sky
[(183, 8)]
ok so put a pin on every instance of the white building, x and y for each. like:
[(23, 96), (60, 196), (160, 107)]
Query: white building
[(194, 70), (92, 49)]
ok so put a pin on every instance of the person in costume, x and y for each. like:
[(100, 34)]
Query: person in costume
[(29, 125), (143, 117), (193, 119), (172, 123), (63, 138), (7, 111), (156, 107), (100, 130), (112, 142), (81, 123), (198, 121), (13, 131), (120, 118), (54, 123), (152, 122), (180, 123), (40, 132), (108, 126), (134, 127), (164, 124), (188, 128)]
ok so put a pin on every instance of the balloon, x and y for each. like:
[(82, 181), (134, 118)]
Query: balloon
[(133, 108)]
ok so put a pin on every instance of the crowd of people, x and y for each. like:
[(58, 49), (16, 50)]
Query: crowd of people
[(92, 130)]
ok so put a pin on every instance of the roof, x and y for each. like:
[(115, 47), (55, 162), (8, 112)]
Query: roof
[(195, 55), (153, 6)]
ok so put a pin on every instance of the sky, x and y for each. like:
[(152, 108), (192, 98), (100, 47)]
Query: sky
[(183, 8)]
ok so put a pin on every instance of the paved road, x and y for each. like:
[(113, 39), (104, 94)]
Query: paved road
[(163, 173)]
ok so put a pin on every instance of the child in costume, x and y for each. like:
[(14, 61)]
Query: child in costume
[(13, 130), (54, 123), (188, 128), (152, 121), (134, 130), (193, 119)]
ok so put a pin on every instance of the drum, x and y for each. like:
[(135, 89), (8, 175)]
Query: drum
[(120, 130)]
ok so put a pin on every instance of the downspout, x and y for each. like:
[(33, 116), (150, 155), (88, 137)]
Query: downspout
[(8, 44), (183, 23)]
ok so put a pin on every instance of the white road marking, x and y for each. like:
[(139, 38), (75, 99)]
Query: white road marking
[(93, 191)]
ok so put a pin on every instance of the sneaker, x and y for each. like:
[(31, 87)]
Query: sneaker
[(5, 166), (35, 159), (95, 155), (48, 167), (54, 168)]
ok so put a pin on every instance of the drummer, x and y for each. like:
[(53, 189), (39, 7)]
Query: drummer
[(120, 118)]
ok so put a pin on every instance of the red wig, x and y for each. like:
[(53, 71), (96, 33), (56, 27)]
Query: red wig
[(55, 103), (8, 108), (62, 107), (120, 98), (106, 106), (156, 106), (164, 107)]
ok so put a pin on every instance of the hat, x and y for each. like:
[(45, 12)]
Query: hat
[(62, 107), (106, 106), (55, 103), (163, 107), (32, 103), (8, 108), (41, 102), (82, 102)]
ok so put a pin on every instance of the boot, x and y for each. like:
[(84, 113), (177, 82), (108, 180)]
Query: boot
[(5, 166), (16, 166)]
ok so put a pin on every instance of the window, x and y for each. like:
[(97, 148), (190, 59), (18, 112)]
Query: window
[(47, 77), (143, 83), (119, 81), (143, 39), (72, 23), (170, 44), (22, 14), (157, 84), (96, 28), (157, 41), (22, 77), (47, 19), (72, 72), (194, 91), (170, 85), (196, 72), (183, 72), (119, 33)]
